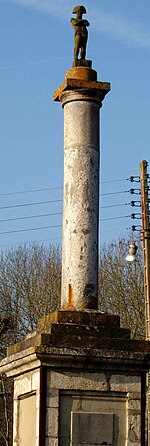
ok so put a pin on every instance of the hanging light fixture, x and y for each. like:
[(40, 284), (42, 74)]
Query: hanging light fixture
[(132, 256)]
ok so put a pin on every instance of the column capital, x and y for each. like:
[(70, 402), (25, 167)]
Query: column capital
[(81, 84)]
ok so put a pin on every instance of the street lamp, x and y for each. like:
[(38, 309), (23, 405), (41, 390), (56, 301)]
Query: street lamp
[(132, 256)]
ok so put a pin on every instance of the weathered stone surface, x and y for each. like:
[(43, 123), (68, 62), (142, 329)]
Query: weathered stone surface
[(135, 443), (91, 428), (90, 334), (23, 386), (93, 402), (134, 423), (89, 331), (96, 378), (135, 395), (27, 417), (134, 406), (52, 422), (82, 78), (86, 317), (82, 74), (80, 210), (26, 403), (81, 97), (78, 342), (83, 63), (80, 380), (51, 441), (122, 383), (52, 396)]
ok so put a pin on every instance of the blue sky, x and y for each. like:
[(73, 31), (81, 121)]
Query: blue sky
[(36, 41)]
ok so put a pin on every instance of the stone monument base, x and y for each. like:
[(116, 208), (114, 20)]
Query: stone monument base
[(82, 63), (78, 380)]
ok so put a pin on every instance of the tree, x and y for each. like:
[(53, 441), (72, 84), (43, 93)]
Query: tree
[(6, 386), (29, 286), (5, 389), (121, 286), (29, 289)]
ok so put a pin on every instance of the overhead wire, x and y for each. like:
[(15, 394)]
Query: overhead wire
[(51, 201), (29, 229), (29, 191), (30, 216), (52, 226), (29, 204), (115, 205), (48, 214), (115, 218), (54, 213), (115, 181), (53, 188), (115, 193)]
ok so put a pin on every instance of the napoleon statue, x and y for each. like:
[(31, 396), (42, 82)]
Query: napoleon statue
[(80, 33)]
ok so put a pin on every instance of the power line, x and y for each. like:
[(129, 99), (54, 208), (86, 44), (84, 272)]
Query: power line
[(48, 239), (53, 226), (30, 191), (53, 188), (30, 216), (115, 218), (114, 181), (30, 229), (54, 201), (115, 193), (114, 205), (4, 220), (29, 204)]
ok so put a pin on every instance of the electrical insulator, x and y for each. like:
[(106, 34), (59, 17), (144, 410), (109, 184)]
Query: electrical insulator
[(135, 203), (133, 228), (134, 180)]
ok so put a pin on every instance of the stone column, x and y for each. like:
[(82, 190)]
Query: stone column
[(81, 97)]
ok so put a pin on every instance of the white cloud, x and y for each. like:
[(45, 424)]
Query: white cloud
[(56, 8), (113, 24), (120, 28)]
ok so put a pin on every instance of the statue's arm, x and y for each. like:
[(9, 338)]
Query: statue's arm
[(86, 23), (79, 22)]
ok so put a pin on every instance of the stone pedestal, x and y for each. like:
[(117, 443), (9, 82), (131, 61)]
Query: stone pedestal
[(81, 97), (78, 380)]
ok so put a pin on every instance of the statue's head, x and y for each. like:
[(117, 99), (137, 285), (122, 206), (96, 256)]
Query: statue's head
[(79, 10)]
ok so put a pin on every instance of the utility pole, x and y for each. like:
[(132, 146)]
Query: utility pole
[(146, 251), (146, 240)]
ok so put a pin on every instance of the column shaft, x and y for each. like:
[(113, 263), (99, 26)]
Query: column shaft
[(80, 202), (81, 96)]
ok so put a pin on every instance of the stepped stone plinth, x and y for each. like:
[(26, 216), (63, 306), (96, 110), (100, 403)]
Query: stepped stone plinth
[(78, 366)]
